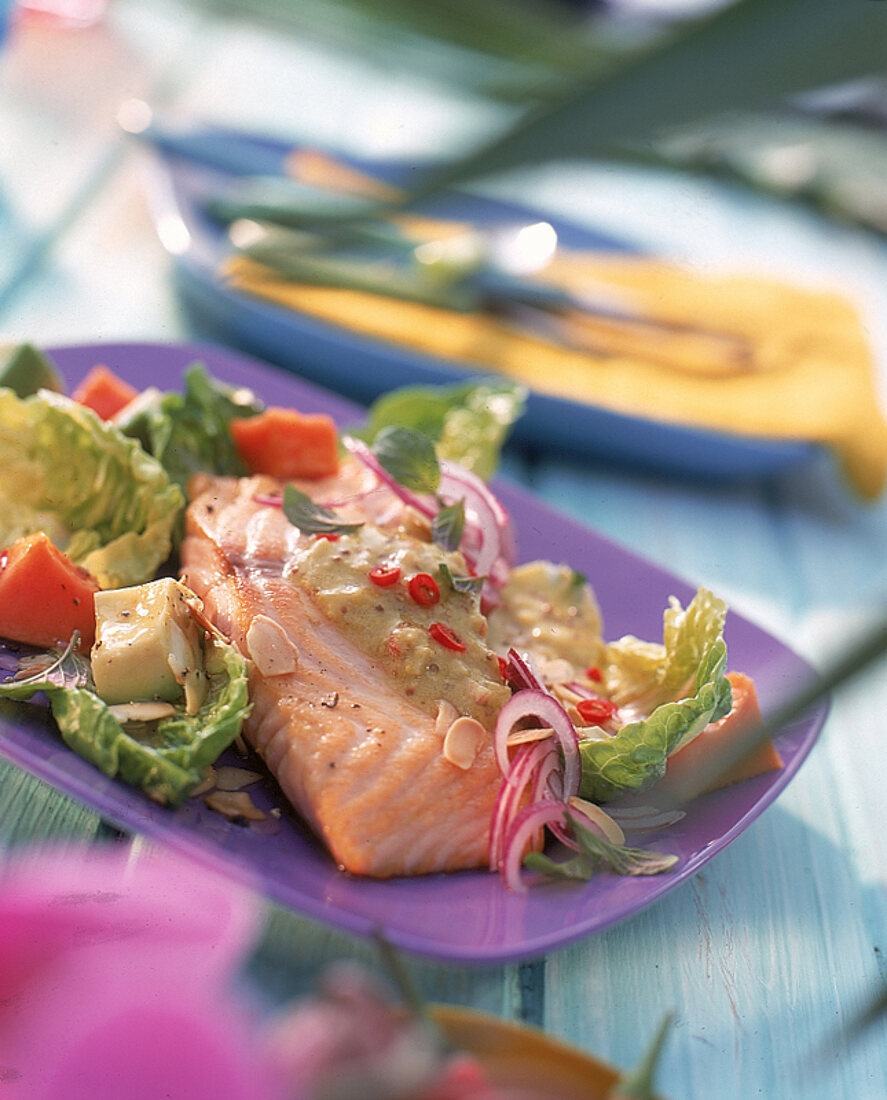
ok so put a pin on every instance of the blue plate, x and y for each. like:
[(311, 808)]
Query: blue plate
[(199, 164)]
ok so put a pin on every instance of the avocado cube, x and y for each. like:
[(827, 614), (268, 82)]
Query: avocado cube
[(148, 645)]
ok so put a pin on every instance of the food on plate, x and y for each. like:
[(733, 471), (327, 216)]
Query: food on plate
[(25, 370), (424, 702), (44, 596), (103, 391), (370, 719), (98, 495)]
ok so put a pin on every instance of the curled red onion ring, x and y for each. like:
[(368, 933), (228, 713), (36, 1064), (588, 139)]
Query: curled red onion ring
[(485, 513), (522, 830), (361, 451), (539, 704), (530, 761), (488, 543)]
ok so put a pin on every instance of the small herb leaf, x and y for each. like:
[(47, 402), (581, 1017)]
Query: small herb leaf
[(53, 669), (312, 518), (410, 458), (624, 861), (597, 854), (577, 868), (470, 585), (448, 525)]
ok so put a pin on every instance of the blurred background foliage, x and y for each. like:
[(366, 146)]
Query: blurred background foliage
[(787, 95)]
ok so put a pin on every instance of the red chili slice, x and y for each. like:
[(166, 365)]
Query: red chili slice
[(385, 575), (449, 639), (423, 589), (503, 668), (330, 536), (594, 673), (596, 711)]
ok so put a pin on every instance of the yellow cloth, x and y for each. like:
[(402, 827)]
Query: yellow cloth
[(786, 363)]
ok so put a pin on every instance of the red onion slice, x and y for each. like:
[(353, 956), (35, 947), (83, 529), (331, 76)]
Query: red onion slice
[(521, 672), (532, 703), (486, 519), (528, 760), (274, 500), (361, 451), (549, 767), (522, 831)]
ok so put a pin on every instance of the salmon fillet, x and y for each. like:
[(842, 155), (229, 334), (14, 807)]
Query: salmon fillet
[(355, 752)]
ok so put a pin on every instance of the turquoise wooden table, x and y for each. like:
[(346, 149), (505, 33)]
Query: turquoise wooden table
[(778, 945)]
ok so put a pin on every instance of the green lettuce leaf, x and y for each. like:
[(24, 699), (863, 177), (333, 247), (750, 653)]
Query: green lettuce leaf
[(468, 422), (644, 674), (189, 432), (635, 757), (166, 758), (98, 495)]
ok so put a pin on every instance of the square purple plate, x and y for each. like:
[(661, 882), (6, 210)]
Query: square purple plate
[(467, 917)]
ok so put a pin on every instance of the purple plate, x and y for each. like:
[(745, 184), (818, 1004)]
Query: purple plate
[(467, 917)]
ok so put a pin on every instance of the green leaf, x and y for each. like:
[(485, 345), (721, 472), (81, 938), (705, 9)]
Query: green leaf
[(635, 757), (410, 458), (189, 432), (747, 55), (448, 526), (618, 857), (110, 506), (578, 868), (166, 758), (638, 1084), (458, 583), (312, 518), (469, 422), (386, 274), (25, 370), (595, 854), (507, 51)]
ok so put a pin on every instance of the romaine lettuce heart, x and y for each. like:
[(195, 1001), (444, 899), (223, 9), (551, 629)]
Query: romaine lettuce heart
[(692, 666), (110, 506)]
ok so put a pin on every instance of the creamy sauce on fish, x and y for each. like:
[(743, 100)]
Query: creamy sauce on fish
[(400, 634)]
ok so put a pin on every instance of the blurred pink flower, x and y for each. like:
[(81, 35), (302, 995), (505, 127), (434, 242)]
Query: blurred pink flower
[(115, 981), (118, 982)]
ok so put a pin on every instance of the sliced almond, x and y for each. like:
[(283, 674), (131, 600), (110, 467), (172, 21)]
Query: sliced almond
[(207, 783), (235, 805), (463, 741), (599, 817), (446, 716), (270, 648), (229, 778), (196, 690), (534, 733), (142, 712)]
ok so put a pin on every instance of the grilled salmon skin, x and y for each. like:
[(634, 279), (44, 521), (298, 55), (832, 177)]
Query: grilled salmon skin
[(372, 702)]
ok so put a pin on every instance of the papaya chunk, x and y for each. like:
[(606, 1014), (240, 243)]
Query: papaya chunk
[(44, 596), (104, 392), (287, 444), (720, 739)]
